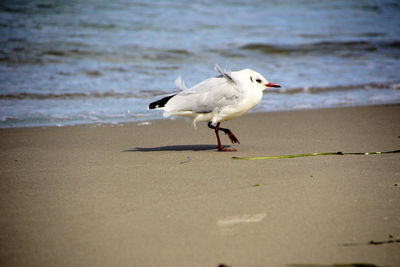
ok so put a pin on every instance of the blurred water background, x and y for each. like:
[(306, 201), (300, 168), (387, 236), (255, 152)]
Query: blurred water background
[(100, 61)]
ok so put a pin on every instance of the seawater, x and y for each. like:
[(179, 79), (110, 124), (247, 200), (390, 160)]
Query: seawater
[(97, 61)]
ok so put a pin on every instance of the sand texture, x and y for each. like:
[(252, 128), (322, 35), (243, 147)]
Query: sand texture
[(160, 195)]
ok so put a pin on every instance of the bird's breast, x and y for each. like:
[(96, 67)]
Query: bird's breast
[(251, 99), (233, 111)]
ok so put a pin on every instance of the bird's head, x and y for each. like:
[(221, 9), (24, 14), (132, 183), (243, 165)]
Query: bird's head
[(255, 80)]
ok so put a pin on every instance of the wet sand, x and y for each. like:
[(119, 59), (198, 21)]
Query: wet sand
[(160, 195)]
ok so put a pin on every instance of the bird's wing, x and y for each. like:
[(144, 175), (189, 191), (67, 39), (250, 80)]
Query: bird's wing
[(225, 74), (208, 96), (180, 83)]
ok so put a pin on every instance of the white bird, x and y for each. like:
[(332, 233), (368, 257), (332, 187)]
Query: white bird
[(217, 99)]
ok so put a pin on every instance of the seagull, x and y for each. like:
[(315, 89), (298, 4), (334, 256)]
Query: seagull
[(217, 99)]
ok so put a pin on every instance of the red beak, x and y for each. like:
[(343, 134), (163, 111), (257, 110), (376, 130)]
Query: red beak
[(272, 85)]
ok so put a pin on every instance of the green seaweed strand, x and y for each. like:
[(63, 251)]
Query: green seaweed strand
[(318, 154)]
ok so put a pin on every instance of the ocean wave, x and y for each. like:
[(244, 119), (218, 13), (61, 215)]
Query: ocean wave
[(395, 85), (322, 47), (40, 96), (42, 55)]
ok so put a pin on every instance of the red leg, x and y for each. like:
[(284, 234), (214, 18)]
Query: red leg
[(231, 136), (220, 148)]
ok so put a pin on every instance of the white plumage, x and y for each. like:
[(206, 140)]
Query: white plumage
[(217, 99)]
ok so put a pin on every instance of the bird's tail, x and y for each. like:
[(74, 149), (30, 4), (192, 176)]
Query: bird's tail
[(160, 103)]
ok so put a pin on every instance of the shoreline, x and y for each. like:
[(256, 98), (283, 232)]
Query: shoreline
[(160, 194), (138, 122)]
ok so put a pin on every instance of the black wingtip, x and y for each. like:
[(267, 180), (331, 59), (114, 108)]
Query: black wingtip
[(160, 103)]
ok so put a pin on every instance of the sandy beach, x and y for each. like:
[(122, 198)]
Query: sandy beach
[(161, 195)]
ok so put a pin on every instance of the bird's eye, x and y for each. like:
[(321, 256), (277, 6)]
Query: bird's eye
[(251, 79), (258, 80)]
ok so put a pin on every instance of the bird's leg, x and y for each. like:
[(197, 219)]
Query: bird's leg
[(216, 129), (220, 148), (231, 136)]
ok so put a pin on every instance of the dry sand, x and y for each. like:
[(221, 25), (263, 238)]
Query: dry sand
[(120, 196)]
